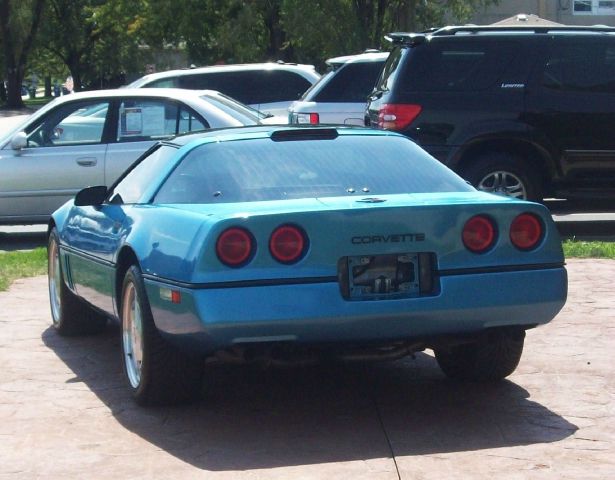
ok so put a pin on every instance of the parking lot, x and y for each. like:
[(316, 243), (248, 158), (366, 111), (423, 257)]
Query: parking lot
[(64, 411)]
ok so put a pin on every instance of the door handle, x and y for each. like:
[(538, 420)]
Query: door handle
[(86, 161)]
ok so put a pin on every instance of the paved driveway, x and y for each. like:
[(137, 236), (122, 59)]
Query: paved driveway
[(65, 414)]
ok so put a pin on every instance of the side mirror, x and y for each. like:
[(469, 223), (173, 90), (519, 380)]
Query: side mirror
[(91, 196), (19, 141)]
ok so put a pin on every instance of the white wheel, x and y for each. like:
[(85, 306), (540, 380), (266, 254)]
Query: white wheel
[(55, 281), (156, 372), (132, 335), (69, 314)]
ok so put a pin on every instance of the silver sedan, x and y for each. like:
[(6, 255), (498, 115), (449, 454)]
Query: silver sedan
[(90, 138)]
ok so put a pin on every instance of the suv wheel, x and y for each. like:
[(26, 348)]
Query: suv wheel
[(504, 174)]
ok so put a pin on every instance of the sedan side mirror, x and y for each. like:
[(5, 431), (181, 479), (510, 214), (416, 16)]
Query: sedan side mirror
[(19, 141), (91, 196)]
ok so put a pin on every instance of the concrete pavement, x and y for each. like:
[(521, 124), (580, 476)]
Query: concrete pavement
[(64, 412)]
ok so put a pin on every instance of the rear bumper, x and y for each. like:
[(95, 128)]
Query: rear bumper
[(210, 319)]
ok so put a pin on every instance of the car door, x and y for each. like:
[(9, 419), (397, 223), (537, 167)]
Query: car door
[(573, 106), (140, 123), (96, 233), (64, 153)]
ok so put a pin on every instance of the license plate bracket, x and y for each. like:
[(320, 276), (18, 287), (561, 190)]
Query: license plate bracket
[(374, 277)]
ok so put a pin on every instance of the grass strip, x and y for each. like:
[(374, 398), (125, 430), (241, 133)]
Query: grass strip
[(580, 249), (21, 264)]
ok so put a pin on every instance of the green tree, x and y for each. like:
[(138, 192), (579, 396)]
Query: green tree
[(211, 31), (95, 39), (230, 31), (323, 28), (19, 21)]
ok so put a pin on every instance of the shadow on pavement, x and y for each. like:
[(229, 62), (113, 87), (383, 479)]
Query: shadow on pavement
[(253, 418)]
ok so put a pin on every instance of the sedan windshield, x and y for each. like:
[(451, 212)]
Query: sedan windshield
[(263, 169)]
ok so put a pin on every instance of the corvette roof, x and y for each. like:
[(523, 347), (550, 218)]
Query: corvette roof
[(235, 133)]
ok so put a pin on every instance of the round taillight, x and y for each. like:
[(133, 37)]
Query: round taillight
[(526, 231), (235, 246), (479, 234), (287, 244)]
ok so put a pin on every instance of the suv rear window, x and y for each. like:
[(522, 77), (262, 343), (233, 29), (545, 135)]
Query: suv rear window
[(250, 87), (351, 83), (459, 66)]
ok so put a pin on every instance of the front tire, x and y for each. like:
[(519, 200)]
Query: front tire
[(69, 314), (504, 174), (490, 359), (156, 372)]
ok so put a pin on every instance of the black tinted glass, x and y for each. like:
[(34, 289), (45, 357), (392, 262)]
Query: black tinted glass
[(250, 86), (351, 83), (261, 169), (583, 67), (458, 65), (391, 68)]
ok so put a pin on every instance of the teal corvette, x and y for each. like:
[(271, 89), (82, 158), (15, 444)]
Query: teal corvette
[(290, 244)]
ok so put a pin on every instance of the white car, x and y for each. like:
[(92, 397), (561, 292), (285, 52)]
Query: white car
[(268, 87), (90, 138), (340, 96)]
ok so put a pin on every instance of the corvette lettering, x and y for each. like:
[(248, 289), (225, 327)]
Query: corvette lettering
[(394, 238)]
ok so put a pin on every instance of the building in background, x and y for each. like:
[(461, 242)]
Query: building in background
[(569, 12)]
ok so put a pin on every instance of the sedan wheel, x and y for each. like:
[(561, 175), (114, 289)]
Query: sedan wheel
[(55, 282), (132, 335), (69, 314), (490, 358), (157, 373)]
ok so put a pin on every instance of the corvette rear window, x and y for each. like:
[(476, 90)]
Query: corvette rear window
[(261, 169)]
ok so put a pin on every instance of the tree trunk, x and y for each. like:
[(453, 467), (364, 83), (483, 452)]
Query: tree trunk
[(75, 72), (47, 86), (13, 95), (277, 35), (15, 60)]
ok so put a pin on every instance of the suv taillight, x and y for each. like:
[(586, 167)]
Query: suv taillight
[(397, 116)]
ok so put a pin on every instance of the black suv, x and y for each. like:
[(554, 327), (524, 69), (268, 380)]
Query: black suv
[(524, 111)]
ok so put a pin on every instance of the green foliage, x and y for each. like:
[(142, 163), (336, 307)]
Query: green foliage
[(19, 22), (321, 29), (15, 265), (97, 40)]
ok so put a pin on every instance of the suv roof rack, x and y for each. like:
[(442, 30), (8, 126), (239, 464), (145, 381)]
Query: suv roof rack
[(408, 38), (405, 38), (452, 30)]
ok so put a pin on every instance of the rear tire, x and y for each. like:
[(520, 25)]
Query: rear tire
[(156, 372), (69, 314), (504, 174), (491, 359)]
